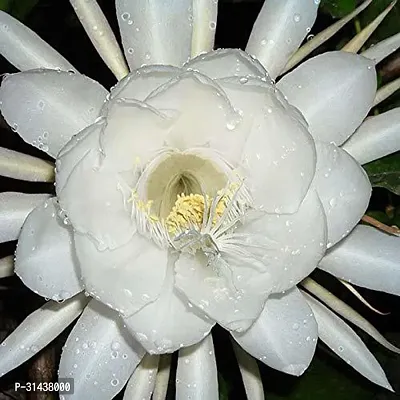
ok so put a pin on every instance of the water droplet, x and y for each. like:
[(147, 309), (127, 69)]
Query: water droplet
[(297, 17), (243, 80), (332, 202), (114, 382), (212, 25), (14, 127), (309, 37), (187, 361), (125, 16), (295, 326), (340, 348)]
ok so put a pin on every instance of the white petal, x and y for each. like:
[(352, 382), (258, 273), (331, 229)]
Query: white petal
[(6, 266), (344, 190), (250, 374), (289, 246), (37, 331), (126, 278), (334, 91), (134, 135), (204, 25), (376, 137), (216, 122), (140, 83), (99, 354), (26, 50), (155, 325), (108, 221), (24, 167), (383, 49), (155, 32), (224, 63), (233, 295), (47, 107), (196, 376), (278, 157), (45, 259), (279, 30), (141, 384), (75, 150), (101, 35), (368, 258), (346, 344), (285, 334), (14, 208)]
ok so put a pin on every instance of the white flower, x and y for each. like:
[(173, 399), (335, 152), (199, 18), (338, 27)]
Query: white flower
[(196, 192)]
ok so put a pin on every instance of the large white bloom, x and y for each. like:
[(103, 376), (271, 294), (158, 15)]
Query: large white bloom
[(196, 192)]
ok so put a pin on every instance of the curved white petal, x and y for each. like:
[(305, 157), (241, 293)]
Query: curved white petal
[(285, 334), (204, 25), (278, 157), (279, 30), (141, 384), (208, 120), (196, 376), (141, 82), (250, 374), (101, 35), (334, 91), (14, 208), (224, 63), (37, 331), (155, 32), (26, 50), (344, 190), (45, 259), (109, 222), (6, 266), (48, 107), (368, 258), (346, 344), (233, 295), (24, 167), (376, 137), (155, 325), (79, 146), (126, 278), (162, 379), (99, 354), (383, 49)]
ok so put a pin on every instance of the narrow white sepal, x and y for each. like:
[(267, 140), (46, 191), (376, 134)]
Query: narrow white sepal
[(14, 208), (347, 312), (6, 266), (196, 375), (204, 26), (386, 91), (162, 379), (37, 331), (358, 41), (250, 374), (341, 339), (367, 257), (383, 49), (26, 50), (141, 384), (322, 37), (100, 33), (376, 137), (24, 167)]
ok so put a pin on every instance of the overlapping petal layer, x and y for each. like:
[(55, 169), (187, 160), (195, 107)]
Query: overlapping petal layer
[(285, 334), (334, 91), (45, 259), (99, 354)]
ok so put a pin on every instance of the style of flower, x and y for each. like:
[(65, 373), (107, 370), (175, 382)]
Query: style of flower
[(196, 192)]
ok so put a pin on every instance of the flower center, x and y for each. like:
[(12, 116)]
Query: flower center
[(188, 203)]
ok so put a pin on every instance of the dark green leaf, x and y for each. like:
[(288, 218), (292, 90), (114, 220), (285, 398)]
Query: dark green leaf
[(385, 172), (338, 8)]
